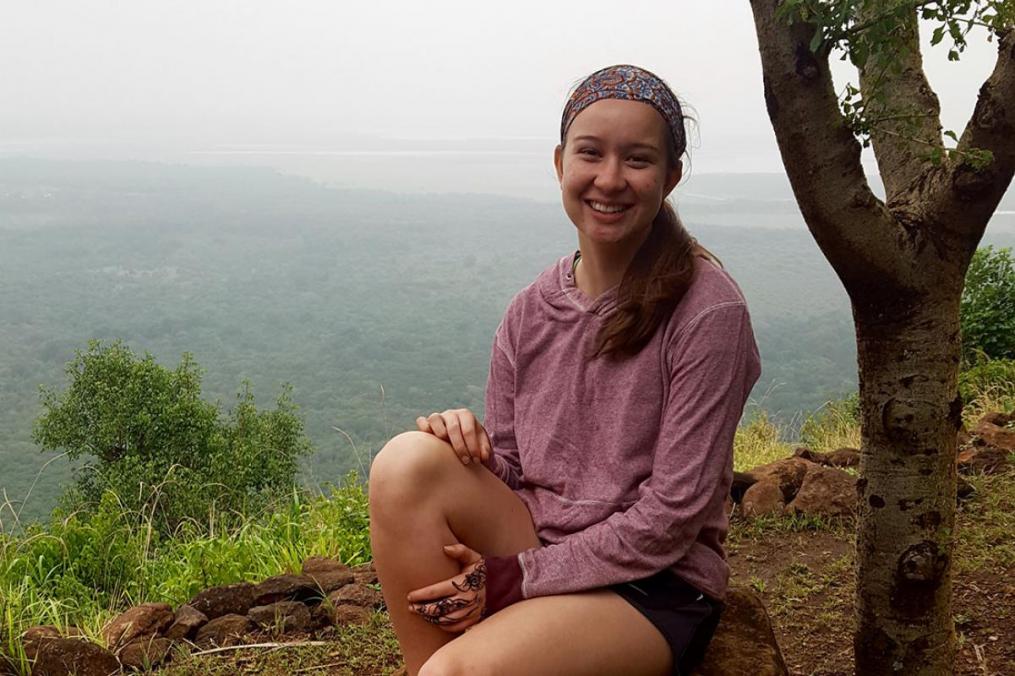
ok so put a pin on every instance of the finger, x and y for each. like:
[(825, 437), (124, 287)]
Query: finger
[(454, 428), (471, 618), (423, 426), (447, 612), (485, 443), (436, 423), (439, 590), (462, 553), (470, 434)]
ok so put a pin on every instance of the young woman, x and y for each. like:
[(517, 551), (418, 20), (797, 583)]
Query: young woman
[(579, 529)]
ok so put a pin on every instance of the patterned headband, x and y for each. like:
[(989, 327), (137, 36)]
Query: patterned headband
[(629, 83)]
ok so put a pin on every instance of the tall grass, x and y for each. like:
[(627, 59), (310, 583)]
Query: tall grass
[(80, 569)]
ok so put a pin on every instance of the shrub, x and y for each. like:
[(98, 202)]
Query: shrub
[(148, 437), (987, 308)]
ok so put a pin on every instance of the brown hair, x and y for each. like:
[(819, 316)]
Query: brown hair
[(655, 282)]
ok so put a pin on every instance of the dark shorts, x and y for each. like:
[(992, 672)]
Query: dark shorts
[(685, 617)]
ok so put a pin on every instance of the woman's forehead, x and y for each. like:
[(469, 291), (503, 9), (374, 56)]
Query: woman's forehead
[(621, 121)]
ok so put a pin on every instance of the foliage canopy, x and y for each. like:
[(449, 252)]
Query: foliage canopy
[(145, 433), (988, 305)]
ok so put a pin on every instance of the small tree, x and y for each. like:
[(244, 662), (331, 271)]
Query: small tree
[(902, 261), (988, 306), (146, 435)]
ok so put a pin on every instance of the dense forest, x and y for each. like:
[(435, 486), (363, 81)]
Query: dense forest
[(375, 306)]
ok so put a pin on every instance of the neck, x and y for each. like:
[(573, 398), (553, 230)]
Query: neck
[(602, 267)]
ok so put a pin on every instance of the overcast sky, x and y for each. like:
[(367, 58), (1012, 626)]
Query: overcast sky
[(425, 95)]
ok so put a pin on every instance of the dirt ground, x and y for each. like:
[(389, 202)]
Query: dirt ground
[(806, 580)]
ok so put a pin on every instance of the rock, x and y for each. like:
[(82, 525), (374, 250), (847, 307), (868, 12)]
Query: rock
[(982, 460), (327, 574), (843, 457), (807, 454), (231, 599), (285, 588), (365, 573), (350, 614), (327, 581), (147, 619), (744, 642), (998, 418), (33, 638), (223, 631), (989, 434), (282, 617), (825, 491), (788, 474), (145, 653), (741, 482), (762, 499), (322, 564), (357, 594), (63, 656), (185, 624)]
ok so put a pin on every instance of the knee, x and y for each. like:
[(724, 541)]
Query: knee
[(446, 662), (408, 464)]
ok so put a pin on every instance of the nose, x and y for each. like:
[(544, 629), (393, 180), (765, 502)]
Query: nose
[(610, 177)]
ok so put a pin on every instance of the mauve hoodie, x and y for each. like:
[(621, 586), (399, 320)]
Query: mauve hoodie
[(624, 465)]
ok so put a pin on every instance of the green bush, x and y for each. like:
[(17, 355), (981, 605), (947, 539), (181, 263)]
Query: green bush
[(169, 456), (988, 305)]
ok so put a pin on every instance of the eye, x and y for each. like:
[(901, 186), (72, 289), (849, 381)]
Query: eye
[(588, 152), (640, 160)]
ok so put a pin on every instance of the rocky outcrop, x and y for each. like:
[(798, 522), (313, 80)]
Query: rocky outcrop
[(801, 486), (146, 653), (744, 642), (186, 622), (146, 636), (825, 491), (230, 599), (63, 656), (147, 619)]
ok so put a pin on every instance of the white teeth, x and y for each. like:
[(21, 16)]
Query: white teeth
[(605, 208)]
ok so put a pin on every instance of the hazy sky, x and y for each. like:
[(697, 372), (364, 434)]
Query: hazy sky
[(459, 96)]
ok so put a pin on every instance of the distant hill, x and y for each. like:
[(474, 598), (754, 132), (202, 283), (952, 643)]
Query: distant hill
[(376, 306)]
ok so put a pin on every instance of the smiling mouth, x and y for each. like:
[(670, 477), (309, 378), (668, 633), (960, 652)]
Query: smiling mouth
[(604, 208)]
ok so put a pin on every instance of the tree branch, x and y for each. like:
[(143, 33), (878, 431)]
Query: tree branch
[(822, 157), (894, 85), (966, 197)]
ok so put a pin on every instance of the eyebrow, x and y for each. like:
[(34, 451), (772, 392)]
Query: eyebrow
[(645, 146)]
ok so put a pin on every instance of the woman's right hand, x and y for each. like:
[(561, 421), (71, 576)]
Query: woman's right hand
[(460, 428)]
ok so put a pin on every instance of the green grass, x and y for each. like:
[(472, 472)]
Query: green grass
[(80, 570)]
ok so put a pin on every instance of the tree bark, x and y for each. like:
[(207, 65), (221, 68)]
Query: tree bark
[(908, 361), (903, 266)]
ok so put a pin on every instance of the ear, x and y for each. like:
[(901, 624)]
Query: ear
[(673, 178), (558, 162)]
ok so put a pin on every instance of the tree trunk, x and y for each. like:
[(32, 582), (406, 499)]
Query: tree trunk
[(908, 355)]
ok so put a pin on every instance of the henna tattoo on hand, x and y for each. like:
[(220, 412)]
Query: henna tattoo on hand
[(475, 580), (437, 612)]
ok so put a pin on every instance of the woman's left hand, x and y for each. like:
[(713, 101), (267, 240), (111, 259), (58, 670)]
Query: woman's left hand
[(455, 604)]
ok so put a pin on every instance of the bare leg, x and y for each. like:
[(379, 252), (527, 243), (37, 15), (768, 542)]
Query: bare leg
[(423, 497), (595, 633)]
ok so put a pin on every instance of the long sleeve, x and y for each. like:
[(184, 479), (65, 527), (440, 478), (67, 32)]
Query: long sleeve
[(713, 363), (499, 422)]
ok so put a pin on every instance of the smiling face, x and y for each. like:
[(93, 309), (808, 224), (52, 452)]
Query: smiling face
[(614, 171)]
